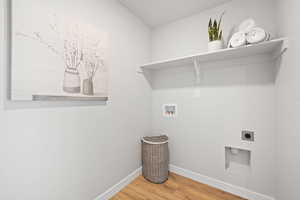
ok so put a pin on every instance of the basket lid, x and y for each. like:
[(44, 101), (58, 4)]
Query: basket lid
[(162, 139)]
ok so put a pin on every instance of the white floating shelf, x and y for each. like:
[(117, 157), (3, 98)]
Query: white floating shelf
[(67, 97), (274, 48)]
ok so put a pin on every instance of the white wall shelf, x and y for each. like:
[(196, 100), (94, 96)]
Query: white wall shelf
[(274, 48)]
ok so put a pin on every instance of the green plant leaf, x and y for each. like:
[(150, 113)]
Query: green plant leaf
[(215, 24), (210, 35), (210, 23), (221, 35), (220, 20)]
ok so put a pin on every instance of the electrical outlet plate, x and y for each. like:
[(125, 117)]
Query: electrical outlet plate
[(248, 136), (170, 110)]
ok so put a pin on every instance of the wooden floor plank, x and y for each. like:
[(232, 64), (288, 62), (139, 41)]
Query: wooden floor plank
[(176, 188)]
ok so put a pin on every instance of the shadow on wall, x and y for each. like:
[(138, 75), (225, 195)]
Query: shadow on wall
[(7, 55), (239, 72)]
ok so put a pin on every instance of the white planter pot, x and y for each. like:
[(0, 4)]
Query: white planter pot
[(215, 45)]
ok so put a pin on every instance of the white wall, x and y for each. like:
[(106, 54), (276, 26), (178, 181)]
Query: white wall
[(76, 151), (231, 98), (288, 95)]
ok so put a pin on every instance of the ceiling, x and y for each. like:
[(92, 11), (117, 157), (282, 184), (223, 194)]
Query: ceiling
[(158, 12)]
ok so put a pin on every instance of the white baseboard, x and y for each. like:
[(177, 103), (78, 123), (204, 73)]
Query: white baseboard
[(119, 186), (236, 190)]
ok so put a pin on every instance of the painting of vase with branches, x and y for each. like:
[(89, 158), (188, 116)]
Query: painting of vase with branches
[(80, 53)]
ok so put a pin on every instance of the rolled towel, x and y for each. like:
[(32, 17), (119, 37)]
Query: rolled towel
[(256, 35), (247, 25), (268, 38), (238, 39)]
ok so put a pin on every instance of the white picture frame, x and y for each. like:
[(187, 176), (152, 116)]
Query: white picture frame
[(55, 55)]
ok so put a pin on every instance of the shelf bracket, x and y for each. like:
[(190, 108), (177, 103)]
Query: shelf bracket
[(197, 71), (283, 49), (139, 71)]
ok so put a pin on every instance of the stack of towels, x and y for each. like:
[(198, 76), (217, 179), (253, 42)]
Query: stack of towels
[(248, 33)]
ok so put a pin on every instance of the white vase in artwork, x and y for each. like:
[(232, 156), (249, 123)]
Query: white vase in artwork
[(71, 82), (215, 45)]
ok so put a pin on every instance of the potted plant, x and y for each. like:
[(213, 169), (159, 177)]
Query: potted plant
[(215, 34)]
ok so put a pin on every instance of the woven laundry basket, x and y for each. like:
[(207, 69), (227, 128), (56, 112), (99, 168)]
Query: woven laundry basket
[(155, 158)]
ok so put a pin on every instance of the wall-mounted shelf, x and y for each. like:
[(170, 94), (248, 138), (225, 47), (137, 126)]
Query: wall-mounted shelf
[(274, 48), (64, 97)]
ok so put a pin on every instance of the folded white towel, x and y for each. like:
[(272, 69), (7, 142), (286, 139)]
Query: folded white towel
[(238, 39), (248, 33), (247, 25), (256, 35)]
